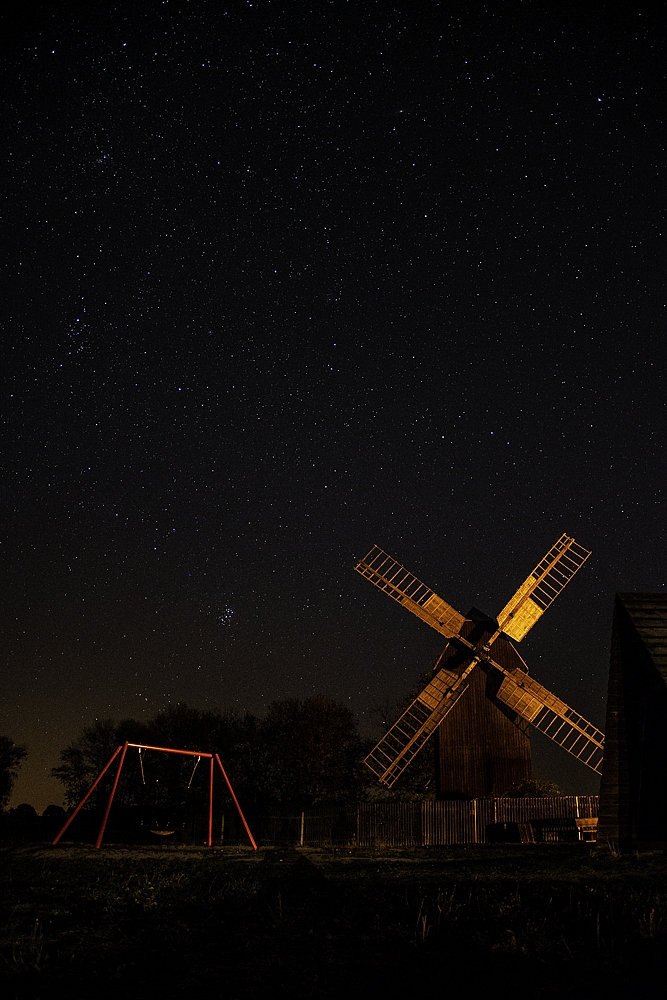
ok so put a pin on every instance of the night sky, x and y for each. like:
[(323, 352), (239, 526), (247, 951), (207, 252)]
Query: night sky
[(281, 284)]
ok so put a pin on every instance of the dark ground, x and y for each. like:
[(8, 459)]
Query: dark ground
[(167, 922)]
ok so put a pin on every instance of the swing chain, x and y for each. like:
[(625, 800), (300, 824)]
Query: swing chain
[(193, 772)]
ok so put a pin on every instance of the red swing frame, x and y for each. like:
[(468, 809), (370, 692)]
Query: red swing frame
[(122, 750)]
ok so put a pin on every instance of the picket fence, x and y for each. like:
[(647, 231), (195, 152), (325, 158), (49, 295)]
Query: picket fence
[(423, 824)]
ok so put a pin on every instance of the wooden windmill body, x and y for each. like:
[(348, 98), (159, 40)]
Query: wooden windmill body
[(481, 698), (481, 750)]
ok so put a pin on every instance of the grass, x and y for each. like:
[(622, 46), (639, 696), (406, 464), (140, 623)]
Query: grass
[(164, 922)]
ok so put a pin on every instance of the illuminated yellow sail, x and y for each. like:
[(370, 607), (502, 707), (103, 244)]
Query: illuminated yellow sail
[(542, 587)]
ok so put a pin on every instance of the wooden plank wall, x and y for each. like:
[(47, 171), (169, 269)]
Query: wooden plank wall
[(480, 751), (633, 790)]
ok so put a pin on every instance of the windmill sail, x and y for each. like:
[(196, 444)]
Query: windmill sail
[(408, 735), (395, 580), (553, 717), (542, 587)]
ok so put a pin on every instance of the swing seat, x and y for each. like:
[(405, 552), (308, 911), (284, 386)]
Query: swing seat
[(163, 833)]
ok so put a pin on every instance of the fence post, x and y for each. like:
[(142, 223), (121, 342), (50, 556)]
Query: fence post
[(302, 822)]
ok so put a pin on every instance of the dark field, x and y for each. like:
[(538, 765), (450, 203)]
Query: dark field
[(168, 922)]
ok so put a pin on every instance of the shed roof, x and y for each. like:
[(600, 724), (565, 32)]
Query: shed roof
[(648, 613)]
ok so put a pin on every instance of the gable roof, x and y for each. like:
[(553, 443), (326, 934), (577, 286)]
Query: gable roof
[(648, 614)]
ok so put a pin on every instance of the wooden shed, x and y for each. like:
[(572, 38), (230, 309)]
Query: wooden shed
[(633, 790)]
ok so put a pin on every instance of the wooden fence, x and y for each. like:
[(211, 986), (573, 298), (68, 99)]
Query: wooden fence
[(425, 824)]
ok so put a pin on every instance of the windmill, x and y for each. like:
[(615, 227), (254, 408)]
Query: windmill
[(475, 643)]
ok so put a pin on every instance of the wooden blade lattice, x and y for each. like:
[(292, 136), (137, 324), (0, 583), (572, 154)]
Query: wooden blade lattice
[(408, 735), (395, 580), (543, 710), (542, 587)]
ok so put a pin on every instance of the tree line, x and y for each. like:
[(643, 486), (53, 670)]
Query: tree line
[(300, 753), (11, 756)]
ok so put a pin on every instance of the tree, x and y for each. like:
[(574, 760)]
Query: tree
[(187, 728), (83, 759), (418, 779), (535, 788), (11, 755), (310, 751), (234, 738)]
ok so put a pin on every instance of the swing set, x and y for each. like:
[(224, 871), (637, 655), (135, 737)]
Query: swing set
[(122, 751)]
